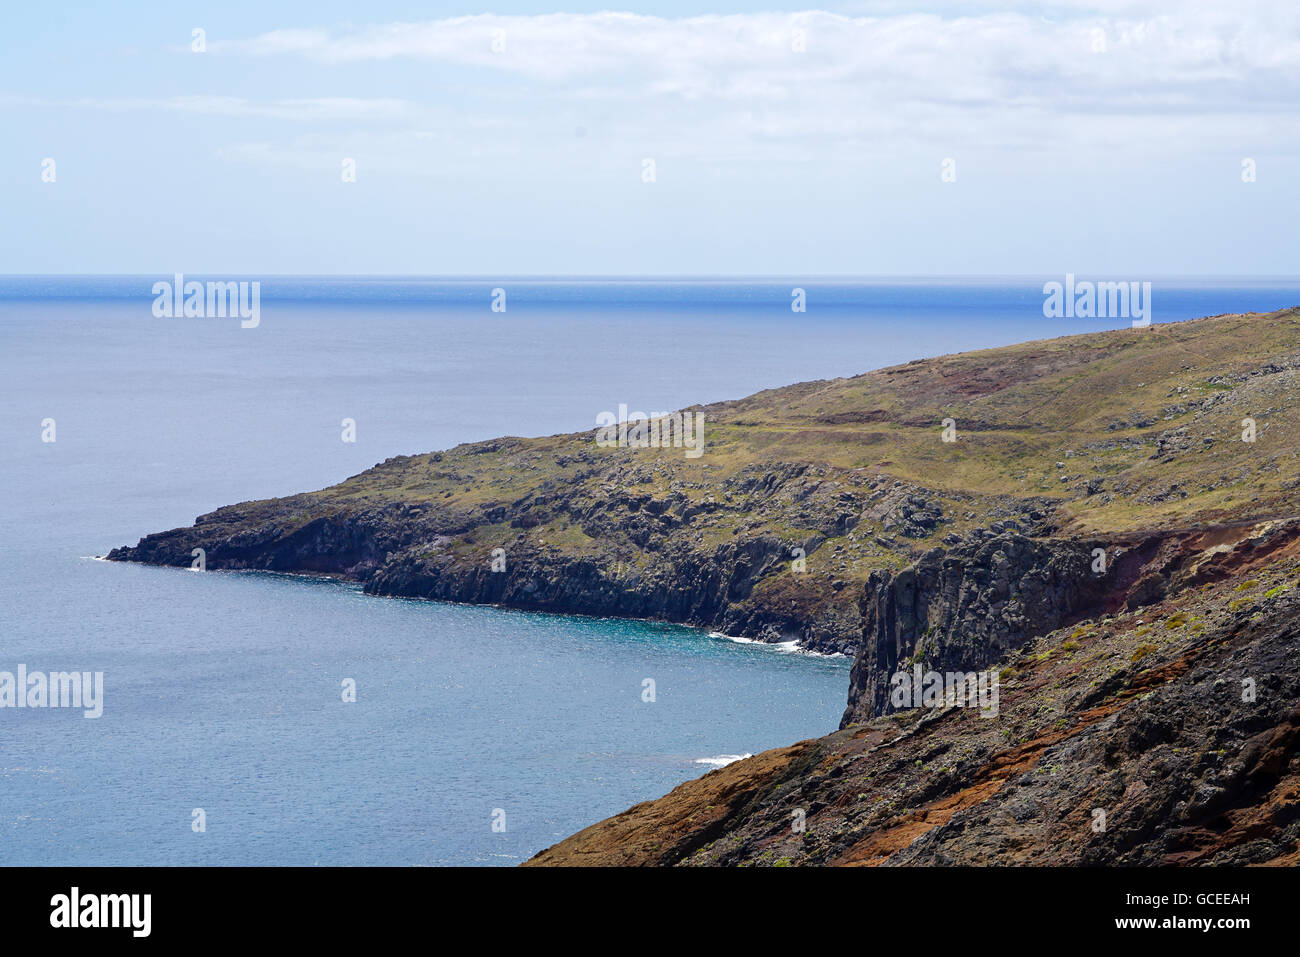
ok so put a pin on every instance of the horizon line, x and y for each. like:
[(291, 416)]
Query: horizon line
[(659, 277)]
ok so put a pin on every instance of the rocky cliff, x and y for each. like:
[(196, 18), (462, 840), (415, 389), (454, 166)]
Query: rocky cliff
[(966, 608), (1169, 734), (739, 586)]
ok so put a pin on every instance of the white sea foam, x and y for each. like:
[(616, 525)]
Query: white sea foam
[(722, 760), (736, 638), (784, 647)]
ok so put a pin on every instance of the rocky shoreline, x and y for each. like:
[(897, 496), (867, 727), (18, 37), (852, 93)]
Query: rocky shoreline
[(1164, 735), (393, 557), (1089, 480)]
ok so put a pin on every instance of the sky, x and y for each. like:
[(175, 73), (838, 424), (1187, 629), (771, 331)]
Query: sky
[(1116, 138)]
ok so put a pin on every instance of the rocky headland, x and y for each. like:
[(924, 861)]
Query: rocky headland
[(1106, 521)]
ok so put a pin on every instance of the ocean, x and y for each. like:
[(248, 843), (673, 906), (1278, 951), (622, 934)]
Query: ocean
[(478, 735)]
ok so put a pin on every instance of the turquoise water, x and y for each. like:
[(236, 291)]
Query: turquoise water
[(222, 691)]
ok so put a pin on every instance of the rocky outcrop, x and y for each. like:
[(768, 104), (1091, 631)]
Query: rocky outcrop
[(350, 543), (399, 551), (965, 608), (1166, 735), (715, 591)]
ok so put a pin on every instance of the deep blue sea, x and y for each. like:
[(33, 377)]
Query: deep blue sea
[(222, 690)]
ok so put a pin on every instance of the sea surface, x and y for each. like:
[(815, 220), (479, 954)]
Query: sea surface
[(222, 691)]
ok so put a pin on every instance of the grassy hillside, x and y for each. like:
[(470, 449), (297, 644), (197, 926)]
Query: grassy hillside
[(1090, 434)]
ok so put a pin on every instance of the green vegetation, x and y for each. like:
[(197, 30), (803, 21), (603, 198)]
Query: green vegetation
[(1090, 435)]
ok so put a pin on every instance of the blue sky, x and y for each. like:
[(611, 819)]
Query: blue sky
[(1089, 137)]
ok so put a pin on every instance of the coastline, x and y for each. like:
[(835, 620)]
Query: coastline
[(793, 518)]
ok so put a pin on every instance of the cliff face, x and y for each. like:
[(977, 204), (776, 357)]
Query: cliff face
[(710, 590), (965, 609), (1165, 735), (401, 551), (808, 501)]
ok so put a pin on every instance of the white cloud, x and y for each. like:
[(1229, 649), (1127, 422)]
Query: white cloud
[(1085, 73), (1160, 58), (305, 109), (1164, 77)]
